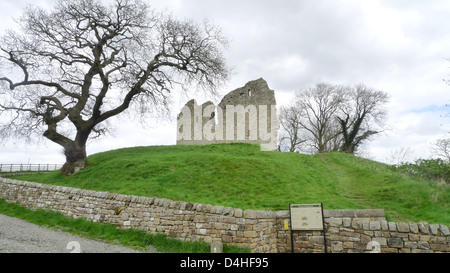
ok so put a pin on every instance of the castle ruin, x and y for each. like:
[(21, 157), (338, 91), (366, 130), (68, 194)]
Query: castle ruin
[(247, 114)]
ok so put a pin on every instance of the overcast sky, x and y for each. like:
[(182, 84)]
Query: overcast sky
[(398, 46)]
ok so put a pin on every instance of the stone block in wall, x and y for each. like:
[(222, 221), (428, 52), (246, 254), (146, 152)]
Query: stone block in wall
[(424, 227), (183, 206), (348, 245), (201, 231), (346, 222), (347, 232), (421, 251), (228, 211), (411, 245), (413, 227), (374, 225), (395, 242), (336, 237), (382, 241), (334, 222), (358, 223), (392, 226), (365, 239), (227, 239), (434, 228), (317, 240), (238, 213), (403, 227), (423, 245), (389, 250), (220, 226), (414, 237), (425, 238), (337, 247), (444, 230), (439, 247), (250, 234), (384, 225), (332, 230)]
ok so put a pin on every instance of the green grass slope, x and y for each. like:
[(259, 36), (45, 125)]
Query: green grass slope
[(242, 176)]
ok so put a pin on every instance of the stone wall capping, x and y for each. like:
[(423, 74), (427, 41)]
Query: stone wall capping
[(149, 201), (353, 213), (434, 229), (238, 213), (424, 227), (282, 214), (444, 230), (413, 227), (258, 214), (403, 227), (216, 209)]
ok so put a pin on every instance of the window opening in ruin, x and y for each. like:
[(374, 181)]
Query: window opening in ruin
[(249, 92)]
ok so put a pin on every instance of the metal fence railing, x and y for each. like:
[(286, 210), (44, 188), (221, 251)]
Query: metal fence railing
[(29, 167)]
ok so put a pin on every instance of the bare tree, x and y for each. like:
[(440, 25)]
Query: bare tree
[(71, 69), (399, 156), (361, 116), (291, 138), (318, 108), (333, 118), (441, 148)]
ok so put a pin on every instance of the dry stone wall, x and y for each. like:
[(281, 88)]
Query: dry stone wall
[(261, 231)]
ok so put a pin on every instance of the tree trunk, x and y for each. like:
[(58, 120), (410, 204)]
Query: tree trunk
[(75, 158)]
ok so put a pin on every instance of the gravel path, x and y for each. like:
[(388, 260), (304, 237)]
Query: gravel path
[(19, 236)]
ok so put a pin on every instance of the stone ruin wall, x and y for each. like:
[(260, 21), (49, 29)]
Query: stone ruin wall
[(247, 114)]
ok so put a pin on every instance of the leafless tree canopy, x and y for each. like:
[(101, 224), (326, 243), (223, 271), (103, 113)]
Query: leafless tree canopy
[(319, 106), (399, 156), (291, 138), (441, 148), (329, 118), (361, 116), (70, 69)]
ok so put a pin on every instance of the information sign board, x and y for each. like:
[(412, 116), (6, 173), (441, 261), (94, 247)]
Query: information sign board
[(306, 217)]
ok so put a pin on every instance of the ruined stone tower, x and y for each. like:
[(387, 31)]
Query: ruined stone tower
[(247, 114)]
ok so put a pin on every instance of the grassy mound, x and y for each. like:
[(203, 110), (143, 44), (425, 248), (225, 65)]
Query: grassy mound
[(242, 176)]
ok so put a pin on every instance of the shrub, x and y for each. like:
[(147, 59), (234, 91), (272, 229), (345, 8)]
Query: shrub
[(436, 169)]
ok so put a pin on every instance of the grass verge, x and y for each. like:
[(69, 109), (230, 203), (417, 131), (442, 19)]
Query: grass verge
[(242, 176)]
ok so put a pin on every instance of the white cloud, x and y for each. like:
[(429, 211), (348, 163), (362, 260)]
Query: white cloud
[(396, 46)]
